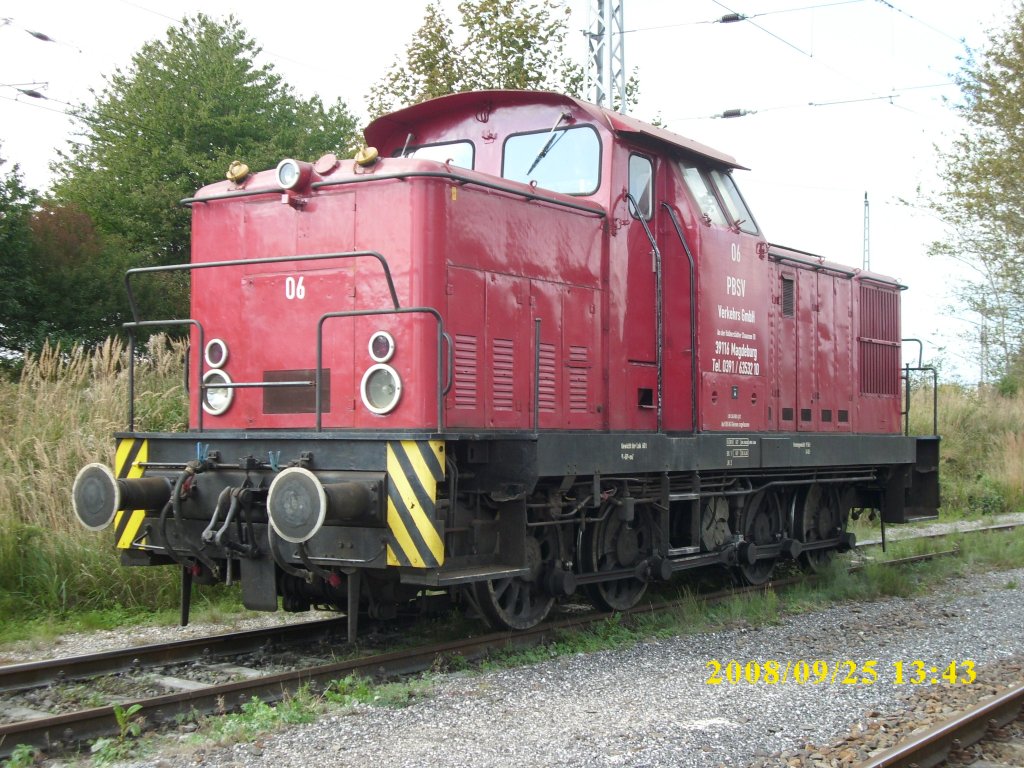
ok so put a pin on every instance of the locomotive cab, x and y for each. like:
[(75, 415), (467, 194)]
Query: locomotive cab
[(522, 345)]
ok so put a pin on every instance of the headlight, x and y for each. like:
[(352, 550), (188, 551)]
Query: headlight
[(381, 388), (382, 346), (216, 353), (292, 173), (216, 399)]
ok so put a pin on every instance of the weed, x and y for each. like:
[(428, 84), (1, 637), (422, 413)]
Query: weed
[(22, 756), (354, 689), (111, 750), (257, 717)]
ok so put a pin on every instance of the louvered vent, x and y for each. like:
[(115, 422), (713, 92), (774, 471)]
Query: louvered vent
[(502, 357), (466, 371), (547, 394), (788, 297), (579, 383), (879, 341)]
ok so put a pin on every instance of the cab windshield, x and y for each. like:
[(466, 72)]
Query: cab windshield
[(565, 160)]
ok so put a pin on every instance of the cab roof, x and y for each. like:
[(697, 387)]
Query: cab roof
[(384, 128)]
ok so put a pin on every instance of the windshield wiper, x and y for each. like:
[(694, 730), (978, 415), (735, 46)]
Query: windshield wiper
[(550, 143)]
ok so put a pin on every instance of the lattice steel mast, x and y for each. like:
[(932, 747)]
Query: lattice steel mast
[(606, 58)]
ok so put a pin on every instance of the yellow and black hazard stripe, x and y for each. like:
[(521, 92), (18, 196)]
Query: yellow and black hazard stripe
[(131, 454), (414, 470)]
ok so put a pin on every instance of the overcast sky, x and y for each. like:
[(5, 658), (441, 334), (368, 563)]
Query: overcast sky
[(846, 96)]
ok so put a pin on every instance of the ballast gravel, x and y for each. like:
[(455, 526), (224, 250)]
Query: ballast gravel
[(652, 705)]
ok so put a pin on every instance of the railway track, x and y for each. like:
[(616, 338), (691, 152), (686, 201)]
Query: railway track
[(213, 674), (950, 741)]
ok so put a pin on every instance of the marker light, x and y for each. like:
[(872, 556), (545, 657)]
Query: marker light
[(216, 353), (216, 399), (381, 388), (382, 347), (292, 173)]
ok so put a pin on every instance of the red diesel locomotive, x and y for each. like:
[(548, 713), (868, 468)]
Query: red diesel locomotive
[(520, 346)]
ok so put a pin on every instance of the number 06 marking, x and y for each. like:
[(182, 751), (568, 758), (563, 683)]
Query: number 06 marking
[(294, 289)]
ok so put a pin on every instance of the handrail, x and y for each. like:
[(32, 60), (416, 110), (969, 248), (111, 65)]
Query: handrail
[(920, 349), (693, 314), (935, 397), (131, 362), (442, 336), (595, 210), (249, 262), (234, 194), (137, 323), (658, 308)]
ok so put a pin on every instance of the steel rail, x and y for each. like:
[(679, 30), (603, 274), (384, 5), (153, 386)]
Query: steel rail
[(15, 677), (932, 746), (69, 729)]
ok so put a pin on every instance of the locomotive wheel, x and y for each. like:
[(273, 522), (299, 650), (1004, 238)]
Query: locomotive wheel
[(816, 516), (616, 543), (521, 602), (761, 525)]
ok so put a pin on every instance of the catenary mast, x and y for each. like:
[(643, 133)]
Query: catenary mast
[(605, 82)]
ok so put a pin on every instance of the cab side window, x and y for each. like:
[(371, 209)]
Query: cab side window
[(707, 202), (641, 185)]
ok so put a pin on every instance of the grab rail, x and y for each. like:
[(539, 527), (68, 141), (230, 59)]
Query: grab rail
[(442, 337), (249, 262), (137, 323), (461, 179)]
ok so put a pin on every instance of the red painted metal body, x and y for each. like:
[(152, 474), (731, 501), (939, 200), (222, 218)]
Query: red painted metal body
[(783, 340)]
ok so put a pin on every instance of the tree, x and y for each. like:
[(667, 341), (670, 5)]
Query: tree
[(432, 67), (507, 44), (173, 121), (983, 199), (17, 288)]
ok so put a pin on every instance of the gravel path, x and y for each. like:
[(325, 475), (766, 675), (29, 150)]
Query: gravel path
[(651, 705)]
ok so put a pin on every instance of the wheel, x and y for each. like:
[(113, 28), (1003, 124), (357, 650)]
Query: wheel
[(616, 543), (761, 525), (521, 602), (817, 516)]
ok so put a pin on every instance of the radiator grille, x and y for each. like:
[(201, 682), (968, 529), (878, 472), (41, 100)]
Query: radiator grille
[(879, 354), (547, 390), (579, 379), (503, 389), (467, 370)]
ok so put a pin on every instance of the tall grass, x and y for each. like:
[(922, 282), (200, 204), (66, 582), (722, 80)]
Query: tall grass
[(982, 461), (59, 415)]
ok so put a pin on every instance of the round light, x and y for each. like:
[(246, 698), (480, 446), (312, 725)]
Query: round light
[(216, 399), (288, 173), (381, 388), (382, 346), (216, 353)]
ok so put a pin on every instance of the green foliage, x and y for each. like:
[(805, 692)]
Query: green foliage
[(517, 44), (22, 756), (172, 122), (258, 717), (18, 289), (110, 750), (354, 689), (983, 200)]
